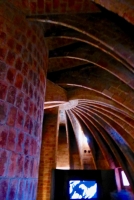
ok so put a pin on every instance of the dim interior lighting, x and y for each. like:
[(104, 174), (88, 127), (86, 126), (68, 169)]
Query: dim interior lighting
[(124, 179)]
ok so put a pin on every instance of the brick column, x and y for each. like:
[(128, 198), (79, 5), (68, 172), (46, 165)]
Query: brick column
[(23, 61), (62, 149), (48, 155)]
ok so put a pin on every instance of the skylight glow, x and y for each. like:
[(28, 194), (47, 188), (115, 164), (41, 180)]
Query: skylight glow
[(124, 178)]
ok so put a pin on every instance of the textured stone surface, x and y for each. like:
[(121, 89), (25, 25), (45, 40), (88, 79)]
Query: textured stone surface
[(48, 156), (3, 188), (18, 145)]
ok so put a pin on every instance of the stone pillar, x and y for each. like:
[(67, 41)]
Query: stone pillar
[(23, 59), (62, 157), (48, 154), (62, 149)]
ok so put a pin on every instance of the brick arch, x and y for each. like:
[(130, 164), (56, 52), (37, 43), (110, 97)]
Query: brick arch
[(115, 47), (118, 155), (126, 8), (45, 6)]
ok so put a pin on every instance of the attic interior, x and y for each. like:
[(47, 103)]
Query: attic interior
[(78, 56)]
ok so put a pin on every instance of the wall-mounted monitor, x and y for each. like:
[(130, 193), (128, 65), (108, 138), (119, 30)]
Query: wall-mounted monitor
[(82, 184), (83, 189)]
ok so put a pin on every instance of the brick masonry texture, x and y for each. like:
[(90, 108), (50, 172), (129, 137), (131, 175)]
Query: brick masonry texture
[(54, 92), (105, 96), (23, 59), (61, 6), (48, 155)]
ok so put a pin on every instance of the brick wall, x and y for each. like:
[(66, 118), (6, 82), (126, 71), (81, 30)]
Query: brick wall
[(54, 92), (62, 148), (22, 83), (61, 6), (48, 155)]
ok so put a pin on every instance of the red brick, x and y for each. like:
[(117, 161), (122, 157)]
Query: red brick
[(31, 91), (27, 123), (78, 7), (17, 21), (27, 145), (48, 7), (30, 75), (28, 188), (33, 7), (3, 136), (25, 86), (3, 188), (31, 166), (19, 100), (20, 166), (33, 39), (11, 75), (4, 155), (20, 119), (19, 48), (11, 116), (23, 40), (34, 147), (56, 4), (10, 57), (20, 142), (25, 69), (3, 36), (3, 112), (11, 139), (19, 81), (42, 78), (40, 4), (31, 108), (11, 43), (132, 83), (29, 60), (29, 32), (31, 190), (3, 53), (26, 104), (18, 64), (35, 79), (25, 54), (11, 94), (25, 4), (27, 166), (35, 189), (35, 95), (3, 70), (21, 189), (35, 111), (30, 47), (63, 7), (30, 126), (71, 4), (17, 34), (35, 168), (13, 189), (3, 90), (12, 165), (36, 129)]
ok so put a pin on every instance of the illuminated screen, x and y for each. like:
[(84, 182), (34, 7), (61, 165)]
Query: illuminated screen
[(82, 189)]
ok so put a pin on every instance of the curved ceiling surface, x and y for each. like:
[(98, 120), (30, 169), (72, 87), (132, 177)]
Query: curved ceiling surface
[(91, 71)]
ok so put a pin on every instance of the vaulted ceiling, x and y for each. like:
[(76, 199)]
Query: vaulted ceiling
[(91, 76)]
